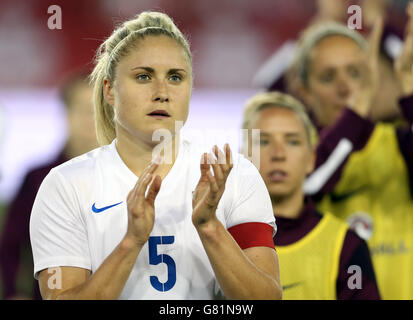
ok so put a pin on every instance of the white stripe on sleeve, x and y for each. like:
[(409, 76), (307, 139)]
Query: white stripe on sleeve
[(319, 177)]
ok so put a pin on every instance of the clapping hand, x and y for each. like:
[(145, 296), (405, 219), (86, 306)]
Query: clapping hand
[(141, 207), (210, 187)]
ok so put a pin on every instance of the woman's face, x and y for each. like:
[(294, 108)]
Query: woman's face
[(286, 158), (152, 88), (335, 70)]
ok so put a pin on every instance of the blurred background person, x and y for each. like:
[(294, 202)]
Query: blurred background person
[(76, 95), (278, 73), (316, 249), (363, 168)]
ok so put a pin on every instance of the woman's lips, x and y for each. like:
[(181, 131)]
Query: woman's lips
[(159, 114), (277, 176)]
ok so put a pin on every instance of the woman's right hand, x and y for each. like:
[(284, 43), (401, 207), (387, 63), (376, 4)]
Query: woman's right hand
[(141, 208)]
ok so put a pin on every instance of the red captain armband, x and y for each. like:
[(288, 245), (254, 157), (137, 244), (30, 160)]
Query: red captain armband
[(252, 234)]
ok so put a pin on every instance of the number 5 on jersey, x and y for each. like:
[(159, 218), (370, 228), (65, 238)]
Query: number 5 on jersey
[(155, 259)]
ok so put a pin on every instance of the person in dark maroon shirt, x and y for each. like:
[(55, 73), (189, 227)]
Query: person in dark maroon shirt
[(287, 156), (76, 95)]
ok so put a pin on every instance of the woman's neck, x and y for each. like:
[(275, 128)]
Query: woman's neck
[(137, 154), (288, 206)]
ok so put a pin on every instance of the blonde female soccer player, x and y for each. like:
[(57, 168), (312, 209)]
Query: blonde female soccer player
[(117, 223), (317, 251)]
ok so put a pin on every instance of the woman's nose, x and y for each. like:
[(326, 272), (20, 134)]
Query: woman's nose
[(343, 88), (161, 92), (277, 152)]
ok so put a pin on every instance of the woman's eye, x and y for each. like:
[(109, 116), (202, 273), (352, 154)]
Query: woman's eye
[(143, 77), (175, 77), (354, 72), (294, 142), (263, 142), (326, 78)]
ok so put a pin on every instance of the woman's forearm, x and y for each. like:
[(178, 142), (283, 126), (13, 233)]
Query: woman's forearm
[(237, 275), (110, 278)]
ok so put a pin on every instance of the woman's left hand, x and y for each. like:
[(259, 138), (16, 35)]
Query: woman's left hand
[(210, 187)]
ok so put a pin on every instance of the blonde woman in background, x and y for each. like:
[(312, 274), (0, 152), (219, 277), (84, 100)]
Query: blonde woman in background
[(316, 249)]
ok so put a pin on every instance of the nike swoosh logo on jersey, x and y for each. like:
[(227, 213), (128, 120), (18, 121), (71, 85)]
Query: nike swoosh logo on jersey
[(97, 210), (291, 285)]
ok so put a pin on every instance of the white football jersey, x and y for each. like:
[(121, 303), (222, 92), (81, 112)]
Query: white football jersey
[(80, 216)]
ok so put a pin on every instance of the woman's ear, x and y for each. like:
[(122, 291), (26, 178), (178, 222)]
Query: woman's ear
[(108, 93)]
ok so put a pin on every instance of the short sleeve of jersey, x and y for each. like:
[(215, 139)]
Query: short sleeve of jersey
[(251, 219), (57, 231)]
